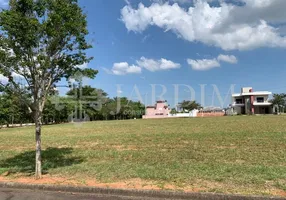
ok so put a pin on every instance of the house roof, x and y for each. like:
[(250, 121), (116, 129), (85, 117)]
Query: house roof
[(161, 101), (252, 93)]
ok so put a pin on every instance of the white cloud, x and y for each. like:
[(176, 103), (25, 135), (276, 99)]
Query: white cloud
[(227, 26), (3, 79), (4, 3), (145, 38), (207, 64), (83, 66), (17, 76), (204, 64), (176, 1), (119, 91), (123, 68), (227, 58), (157, 65), (258, 3)]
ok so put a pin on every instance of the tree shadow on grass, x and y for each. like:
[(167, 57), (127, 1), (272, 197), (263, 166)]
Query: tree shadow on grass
[(51, 158)]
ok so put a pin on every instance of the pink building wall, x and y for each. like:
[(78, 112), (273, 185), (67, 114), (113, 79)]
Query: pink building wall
[(160, 110)]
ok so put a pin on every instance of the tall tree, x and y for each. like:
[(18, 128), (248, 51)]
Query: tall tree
[(173, 111), (190, 105), (11, 109), (279, 100), (43, 41)]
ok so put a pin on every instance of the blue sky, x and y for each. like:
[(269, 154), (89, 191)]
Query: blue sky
[(261, 67), (191, 43)]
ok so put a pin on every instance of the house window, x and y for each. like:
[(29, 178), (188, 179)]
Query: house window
[(238, 101), (260, 99)]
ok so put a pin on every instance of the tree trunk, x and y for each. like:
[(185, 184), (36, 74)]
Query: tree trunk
[(38, 124)]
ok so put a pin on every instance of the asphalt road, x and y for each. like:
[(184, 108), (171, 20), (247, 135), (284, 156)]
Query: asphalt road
[(26, 194), (15, 194)]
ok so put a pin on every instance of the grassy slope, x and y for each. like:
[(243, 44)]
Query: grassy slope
[(228, 154)]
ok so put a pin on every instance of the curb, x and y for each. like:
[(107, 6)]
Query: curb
[(133, 193)]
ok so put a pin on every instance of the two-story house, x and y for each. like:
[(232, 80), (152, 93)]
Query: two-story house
[(251, 102), (160, 110)]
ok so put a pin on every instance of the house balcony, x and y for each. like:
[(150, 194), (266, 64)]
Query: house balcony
[(236, 104), (264, 103)]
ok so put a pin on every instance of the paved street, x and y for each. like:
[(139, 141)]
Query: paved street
[(14, 194), (17, 194)]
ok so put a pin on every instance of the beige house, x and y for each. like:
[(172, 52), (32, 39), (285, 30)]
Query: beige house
[(252, 102)]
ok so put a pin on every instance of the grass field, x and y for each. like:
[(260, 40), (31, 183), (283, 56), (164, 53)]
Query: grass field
[(245, 155)]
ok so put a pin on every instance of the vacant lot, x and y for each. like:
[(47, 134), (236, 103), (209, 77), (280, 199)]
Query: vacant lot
[(245, 155)]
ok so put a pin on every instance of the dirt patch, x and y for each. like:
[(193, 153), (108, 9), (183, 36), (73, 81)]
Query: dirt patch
[(281, 193), (128, 184), (45, 180)]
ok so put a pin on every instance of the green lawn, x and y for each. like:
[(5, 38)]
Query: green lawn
[(245, 155)]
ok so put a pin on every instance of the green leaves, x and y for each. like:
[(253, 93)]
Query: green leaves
[(279, 100), (190, 105), (47, 39), (173, 111), (12, 109)]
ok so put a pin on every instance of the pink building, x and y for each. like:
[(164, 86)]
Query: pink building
[(160, 110)]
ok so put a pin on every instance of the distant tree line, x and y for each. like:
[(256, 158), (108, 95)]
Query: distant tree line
[(77, 103), (279, 102)]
